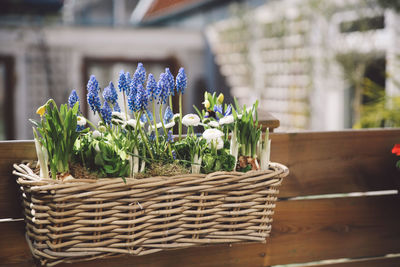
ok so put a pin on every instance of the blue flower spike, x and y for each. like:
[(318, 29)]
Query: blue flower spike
[(93, 83), (139, 76), (116, 107), (93, 98), (181, 81), (163, 87), (123, 84), (106, 113), (73, 98), (159, 89), (168, 115), (170, 83), (110, 94), (151, 87)]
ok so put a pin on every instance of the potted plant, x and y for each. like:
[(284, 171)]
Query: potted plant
[(170, 191)]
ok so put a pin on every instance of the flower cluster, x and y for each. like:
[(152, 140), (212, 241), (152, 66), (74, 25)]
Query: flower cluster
[(396, 150), (136, 129)]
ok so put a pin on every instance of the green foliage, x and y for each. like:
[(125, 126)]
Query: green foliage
[(391, 4), (248, 132), (381, 110), (58, 134), (222, 161)]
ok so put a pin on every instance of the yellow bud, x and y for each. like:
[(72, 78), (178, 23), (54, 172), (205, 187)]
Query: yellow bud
[(206, 104), (220, 98), (41, 110)]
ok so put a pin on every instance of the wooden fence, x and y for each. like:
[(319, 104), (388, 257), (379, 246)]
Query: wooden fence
[(319, 215)]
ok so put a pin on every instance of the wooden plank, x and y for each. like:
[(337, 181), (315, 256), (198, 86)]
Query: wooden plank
[(267, 120), (337, 162), (12, 152), (14, 251), (313, 230), (303, 231), (319, 163), (13, 247), (369, 262)]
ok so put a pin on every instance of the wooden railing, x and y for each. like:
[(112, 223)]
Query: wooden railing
[(318, 217)]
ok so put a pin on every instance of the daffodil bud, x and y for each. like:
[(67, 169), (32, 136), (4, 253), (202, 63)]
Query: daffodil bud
[(207, 104), (220, 98), (41, 110)]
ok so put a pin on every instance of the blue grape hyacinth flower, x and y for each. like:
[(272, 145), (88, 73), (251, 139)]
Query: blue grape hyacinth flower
[(93, 98), (116, 107), (168, 115), (123, 84), (169, 137), (106, 113), (131, 100), (159, 88), (73, 98), (139, 76), (162, 87), (151, 87), (170, 83), (110, 94), (181, 81), (93, 83)]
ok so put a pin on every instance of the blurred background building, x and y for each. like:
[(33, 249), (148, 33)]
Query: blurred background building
[(314, 64)]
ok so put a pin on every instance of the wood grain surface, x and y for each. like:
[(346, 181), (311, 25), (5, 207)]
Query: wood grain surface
[(302, 231)]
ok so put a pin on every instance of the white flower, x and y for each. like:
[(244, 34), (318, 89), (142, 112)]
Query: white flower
[(81, 121), (96, 134), (158, 125), (191, 120), (212, 134), (133, 123), (170, 124), (120, 115), (213, 124), (217, 143), (226, 120), (239, 116), (176, 115)]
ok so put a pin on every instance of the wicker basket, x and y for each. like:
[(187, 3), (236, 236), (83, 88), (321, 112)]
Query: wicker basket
[(85, 219)]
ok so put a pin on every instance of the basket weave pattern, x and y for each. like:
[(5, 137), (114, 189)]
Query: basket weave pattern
[(84, 219)]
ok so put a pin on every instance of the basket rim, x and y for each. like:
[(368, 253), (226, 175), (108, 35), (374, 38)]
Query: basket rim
[(24, 172)]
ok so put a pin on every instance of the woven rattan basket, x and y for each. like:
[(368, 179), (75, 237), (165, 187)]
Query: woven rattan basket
[(86, 219)]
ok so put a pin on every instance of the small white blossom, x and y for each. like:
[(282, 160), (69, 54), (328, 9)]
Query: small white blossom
[(120, 115), (96, 134), (213, 124), (133, 123), (169, 125), (191, 120), (226, 120), (176, 116), (81, 121), (212, 134)]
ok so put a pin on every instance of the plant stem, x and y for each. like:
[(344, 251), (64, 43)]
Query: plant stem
[(126, 111), (155, 121), (165, 131), (145, 140), (180, 116)]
